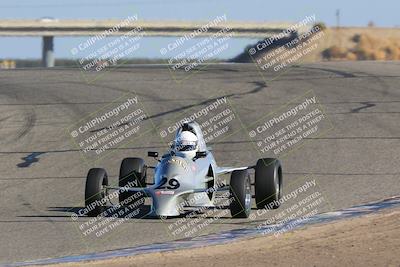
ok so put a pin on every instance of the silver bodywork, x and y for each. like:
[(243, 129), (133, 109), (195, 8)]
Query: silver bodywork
[(198, 180)]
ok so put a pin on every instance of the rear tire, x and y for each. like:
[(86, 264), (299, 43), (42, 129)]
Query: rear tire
[(268, 183), (132, 174), (240, 191), (94, 191)]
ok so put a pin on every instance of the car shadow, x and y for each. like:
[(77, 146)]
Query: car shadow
[(142, 212)]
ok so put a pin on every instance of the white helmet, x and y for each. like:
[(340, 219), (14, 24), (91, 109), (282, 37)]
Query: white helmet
[(187, 144)]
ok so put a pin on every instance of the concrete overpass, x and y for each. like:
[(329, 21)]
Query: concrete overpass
[(49, 28)]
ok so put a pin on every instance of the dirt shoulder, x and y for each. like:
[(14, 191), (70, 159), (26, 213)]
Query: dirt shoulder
[(372, 240)]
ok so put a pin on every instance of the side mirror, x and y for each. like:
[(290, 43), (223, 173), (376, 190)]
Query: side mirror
[(152, 154), (201, 154)]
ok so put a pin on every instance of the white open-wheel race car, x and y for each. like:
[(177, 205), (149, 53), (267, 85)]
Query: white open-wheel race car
[(186, 176)]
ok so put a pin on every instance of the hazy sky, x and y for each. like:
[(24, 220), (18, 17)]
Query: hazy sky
[(353, 13)]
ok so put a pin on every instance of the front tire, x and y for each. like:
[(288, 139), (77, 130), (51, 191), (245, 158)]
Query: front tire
[(132, 174), (240, 191), (268, 183), (95, 192)]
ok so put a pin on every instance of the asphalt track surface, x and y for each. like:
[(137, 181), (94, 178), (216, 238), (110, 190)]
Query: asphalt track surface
[(42, 173)]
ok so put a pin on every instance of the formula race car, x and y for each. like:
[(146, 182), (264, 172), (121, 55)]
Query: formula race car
[(187, 176)]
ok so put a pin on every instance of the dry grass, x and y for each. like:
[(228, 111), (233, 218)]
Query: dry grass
[(366, 47)]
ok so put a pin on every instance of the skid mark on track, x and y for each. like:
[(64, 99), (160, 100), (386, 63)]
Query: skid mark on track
[(366, 105), (343, 74), (30, 159), (259, 87), (5, 118), (29, 123)]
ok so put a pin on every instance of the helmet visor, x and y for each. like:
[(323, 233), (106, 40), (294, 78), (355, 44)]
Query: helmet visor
[(186, 146)]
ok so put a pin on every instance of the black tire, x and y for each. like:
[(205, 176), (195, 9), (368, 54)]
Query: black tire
[(132, 174), (268, 183), (240, 191), (94, 192)]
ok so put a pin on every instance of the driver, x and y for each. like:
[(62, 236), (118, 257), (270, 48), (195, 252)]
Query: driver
[(187, 144)]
